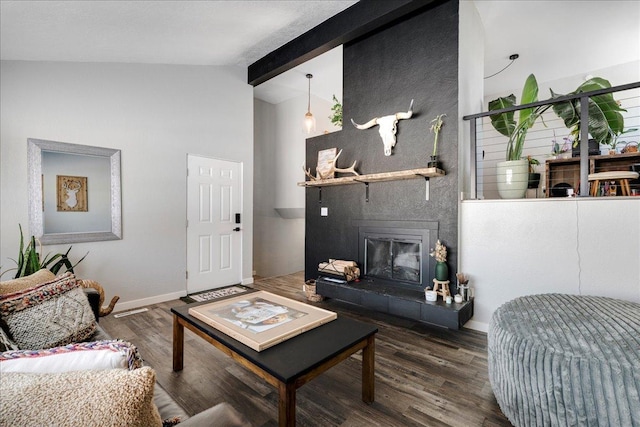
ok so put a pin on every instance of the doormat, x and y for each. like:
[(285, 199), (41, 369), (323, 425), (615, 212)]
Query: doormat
[(215, 294)]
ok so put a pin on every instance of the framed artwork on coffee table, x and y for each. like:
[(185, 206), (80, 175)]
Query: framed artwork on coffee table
[(261, 319)]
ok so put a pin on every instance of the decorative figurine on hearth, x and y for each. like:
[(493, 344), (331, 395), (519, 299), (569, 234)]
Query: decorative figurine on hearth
[(440, 254), (435, 128)]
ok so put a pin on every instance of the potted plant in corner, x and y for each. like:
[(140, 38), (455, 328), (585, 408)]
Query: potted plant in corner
[(513, 173), (30, 259)]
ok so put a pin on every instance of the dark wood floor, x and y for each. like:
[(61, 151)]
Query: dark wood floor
[(425, 376)]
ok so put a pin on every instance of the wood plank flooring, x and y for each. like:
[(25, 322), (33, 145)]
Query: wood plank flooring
[(425, 376)]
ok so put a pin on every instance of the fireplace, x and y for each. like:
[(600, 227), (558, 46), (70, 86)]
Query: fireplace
[(396, 253), (396, 268)]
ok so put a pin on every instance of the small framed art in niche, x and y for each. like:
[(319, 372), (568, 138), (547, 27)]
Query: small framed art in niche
[(63, 178), (71, 193)]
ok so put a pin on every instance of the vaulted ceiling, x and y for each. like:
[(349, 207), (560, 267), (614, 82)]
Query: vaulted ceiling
[(156, 32), (568, 36)]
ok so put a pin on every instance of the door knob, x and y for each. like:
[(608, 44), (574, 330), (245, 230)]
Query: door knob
[(236, 229)]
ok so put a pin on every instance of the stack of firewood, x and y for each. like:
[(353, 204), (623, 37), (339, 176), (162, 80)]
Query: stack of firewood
[(344, 269)]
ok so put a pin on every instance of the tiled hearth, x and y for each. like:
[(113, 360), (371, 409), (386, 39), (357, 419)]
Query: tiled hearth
[(396, 268), (382, 296)]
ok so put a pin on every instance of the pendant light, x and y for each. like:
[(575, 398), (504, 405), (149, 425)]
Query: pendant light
[(309, 120)]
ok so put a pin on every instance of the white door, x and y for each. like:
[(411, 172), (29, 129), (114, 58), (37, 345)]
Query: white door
[(214, 203)]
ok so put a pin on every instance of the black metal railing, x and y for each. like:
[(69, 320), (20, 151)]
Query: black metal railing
[(495, 142)]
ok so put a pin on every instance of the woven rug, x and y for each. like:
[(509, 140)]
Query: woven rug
[(216, 293)]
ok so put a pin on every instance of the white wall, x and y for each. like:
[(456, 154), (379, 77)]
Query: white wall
[(155, 114), (582, 246), (470, 84), (616, 75), (279, 155)]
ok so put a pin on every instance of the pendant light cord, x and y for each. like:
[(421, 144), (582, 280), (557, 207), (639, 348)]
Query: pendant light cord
[(309, 77), (512, 58)]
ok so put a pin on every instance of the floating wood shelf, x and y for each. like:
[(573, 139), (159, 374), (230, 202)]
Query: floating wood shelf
[(376, 177)]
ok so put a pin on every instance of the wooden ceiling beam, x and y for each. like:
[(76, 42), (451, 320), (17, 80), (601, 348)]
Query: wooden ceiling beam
[(359, 20)]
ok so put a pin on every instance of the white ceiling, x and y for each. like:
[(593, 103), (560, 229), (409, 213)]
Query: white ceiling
[(556, 38), (326, 81), (222, 32), (546, 35)]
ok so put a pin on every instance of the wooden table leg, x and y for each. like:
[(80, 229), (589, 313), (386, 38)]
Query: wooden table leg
[(178, 344), (368, 370), (287, 405), (626, 189), (595, 187)]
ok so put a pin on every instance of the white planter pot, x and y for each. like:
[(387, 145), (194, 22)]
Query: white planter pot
[(513, 178)]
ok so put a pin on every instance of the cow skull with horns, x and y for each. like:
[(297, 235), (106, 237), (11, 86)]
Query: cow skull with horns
[(387, 128)]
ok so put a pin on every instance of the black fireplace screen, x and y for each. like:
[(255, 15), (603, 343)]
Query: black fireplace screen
[(393, 259)]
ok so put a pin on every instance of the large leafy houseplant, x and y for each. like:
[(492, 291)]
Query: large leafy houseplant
[(605, 119), (29, 261), (513, 173), (506, 124)]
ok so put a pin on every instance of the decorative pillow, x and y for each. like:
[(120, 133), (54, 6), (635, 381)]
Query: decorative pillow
[(37, 278), (6, 343), (48, 315), (94, 355), (114, 397)]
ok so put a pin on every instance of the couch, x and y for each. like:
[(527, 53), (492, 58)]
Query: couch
[(59, 367)]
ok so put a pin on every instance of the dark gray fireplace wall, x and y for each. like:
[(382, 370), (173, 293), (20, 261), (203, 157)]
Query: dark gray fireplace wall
[(414, 59)]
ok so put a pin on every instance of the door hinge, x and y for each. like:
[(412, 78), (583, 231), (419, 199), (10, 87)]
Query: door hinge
[(186, 274)]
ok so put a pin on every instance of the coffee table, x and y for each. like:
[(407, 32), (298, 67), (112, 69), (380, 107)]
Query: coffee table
[(292, 363)]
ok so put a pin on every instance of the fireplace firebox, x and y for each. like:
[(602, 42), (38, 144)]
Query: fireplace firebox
[(389, 257), (397, 252)]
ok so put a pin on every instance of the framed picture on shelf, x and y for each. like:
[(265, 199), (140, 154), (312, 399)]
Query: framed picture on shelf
[(323, 168), (261, 319)]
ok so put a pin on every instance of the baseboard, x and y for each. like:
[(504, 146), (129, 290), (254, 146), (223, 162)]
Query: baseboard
[(129, 305), (247, 281), (477, 326)]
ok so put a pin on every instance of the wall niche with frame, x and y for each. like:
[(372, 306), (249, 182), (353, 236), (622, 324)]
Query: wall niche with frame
[(74, 192)]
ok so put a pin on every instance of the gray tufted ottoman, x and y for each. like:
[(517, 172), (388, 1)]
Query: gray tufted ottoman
[(566, 360)]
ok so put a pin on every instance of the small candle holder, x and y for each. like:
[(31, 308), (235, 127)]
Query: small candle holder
[(434, 163)]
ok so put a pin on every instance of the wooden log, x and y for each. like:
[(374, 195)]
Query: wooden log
[(343, 263)]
